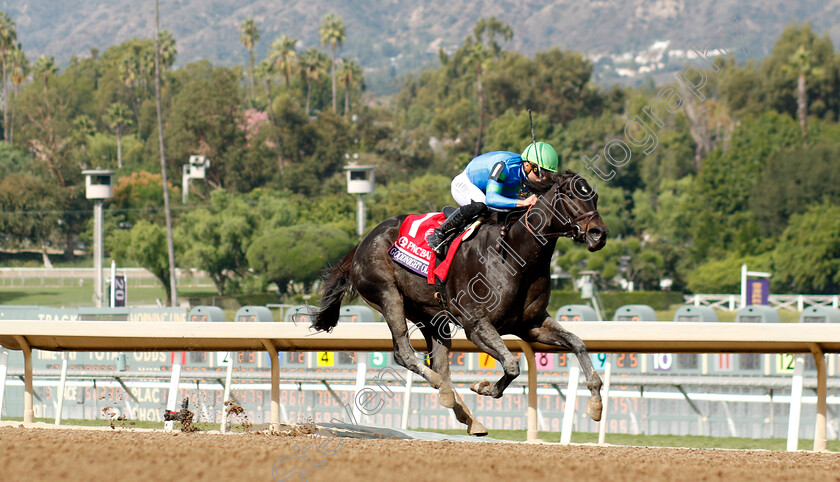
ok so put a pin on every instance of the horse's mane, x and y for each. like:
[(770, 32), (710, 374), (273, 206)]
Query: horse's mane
[(543, 185)]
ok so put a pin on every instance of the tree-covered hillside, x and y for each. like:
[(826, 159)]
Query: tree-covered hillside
[(741, 170), (392, 37)]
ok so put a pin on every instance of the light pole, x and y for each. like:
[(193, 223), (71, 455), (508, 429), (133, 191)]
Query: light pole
[(360, 180), (99, 187)]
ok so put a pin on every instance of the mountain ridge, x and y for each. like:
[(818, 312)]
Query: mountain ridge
[(394, 37)]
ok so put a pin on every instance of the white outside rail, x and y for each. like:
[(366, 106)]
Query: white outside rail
[(649, 337)]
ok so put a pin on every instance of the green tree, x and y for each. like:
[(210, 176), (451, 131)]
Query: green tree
[(724, 275), (145, 245), (427, 193), (117, 118), (44, 69), (792, 180), (479, 54), (807, 256), (19, 73), (801, 64), (720, 219), (168, 51), (29, 211), (266, 70), (284, 55), (333, 33), (350, 77), (799, 51), (216, 238), (313, 65), (249, 35), (8, 43), (203, 118), (296, 253)]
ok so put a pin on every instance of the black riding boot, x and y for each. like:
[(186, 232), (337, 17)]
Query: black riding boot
[(454, 224)]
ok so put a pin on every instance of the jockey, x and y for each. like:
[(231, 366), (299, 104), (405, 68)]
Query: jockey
[(494, 179)]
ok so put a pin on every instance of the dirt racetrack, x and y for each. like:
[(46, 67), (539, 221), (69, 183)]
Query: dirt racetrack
[(131, 454)]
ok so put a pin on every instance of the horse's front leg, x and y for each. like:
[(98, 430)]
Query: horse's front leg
[(485, 337), (551, 333)]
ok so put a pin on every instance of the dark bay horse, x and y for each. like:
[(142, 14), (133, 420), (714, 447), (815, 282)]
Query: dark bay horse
[(499, 284)]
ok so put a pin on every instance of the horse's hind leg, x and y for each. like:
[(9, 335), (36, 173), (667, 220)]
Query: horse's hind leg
[(404, 354), (551, 333), (449, 398), (489, 341)]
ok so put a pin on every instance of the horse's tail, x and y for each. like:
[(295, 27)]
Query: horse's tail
[(336, 285)]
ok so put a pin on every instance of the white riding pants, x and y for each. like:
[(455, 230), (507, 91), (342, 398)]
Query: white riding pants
[(464, 191)]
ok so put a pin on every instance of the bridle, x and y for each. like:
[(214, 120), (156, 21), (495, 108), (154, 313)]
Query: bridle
[(574, 231)]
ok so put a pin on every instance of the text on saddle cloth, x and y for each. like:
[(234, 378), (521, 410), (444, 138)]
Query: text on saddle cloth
[(412, 252)]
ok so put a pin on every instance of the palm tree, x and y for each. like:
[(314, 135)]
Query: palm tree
[(313, 64), (266, 70), (117, 117), (333, 33), (800, 63), (130, 73), (20, 70), (168, 51), (479, 52), (249, 35), (44, 68), (349, 76), (172, 290), (476, 55), (284, 55), (8, 42)]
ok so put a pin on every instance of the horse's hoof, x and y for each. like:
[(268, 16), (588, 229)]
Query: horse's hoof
[(447, 399), (477, 429), (593, 408), (481, 388)]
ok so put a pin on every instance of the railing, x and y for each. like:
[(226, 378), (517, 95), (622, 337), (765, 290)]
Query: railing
[(621, 337), (780, 302), (85, 277)]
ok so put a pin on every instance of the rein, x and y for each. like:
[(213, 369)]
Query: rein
[(574, 230)]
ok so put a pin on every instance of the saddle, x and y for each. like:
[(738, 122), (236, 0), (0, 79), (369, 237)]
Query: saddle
[(468, 232)]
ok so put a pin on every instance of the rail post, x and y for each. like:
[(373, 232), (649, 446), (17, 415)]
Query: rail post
[(533, 431), (820, 443), (571, 401), (275, 385), (28, 410), (4, 367), (61, 384), (795, 405), (602, 425)]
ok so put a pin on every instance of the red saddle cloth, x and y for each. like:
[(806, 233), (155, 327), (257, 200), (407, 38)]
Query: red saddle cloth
[(412, 251)]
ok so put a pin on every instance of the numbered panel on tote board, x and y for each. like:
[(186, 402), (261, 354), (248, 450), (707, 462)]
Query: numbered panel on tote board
[(821, 314), (204, 314), (561, 361), (634, 362), (754, 363), (687, 363), (253, 359)]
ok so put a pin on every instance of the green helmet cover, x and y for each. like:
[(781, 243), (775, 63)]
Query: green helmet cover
[(542, 155)]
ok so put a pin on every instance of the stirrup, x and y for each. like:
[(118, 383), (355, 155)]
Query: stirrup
[(471, 229), (436, 242)]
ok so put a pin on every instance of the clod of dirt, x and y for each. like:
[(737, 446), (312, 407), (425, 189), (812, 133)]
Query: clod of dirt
[(232, 409)]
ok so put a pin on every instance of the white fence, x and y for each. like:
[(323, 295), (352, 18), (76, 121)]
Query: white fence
[(779, 302), (85, 277)]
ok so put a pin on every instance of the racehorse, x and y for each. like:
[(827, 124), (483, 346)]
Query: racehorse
[(499, 284)]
